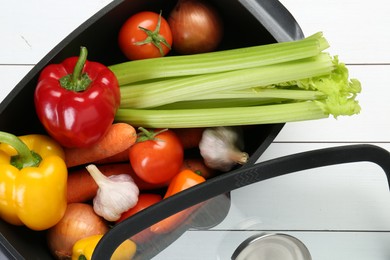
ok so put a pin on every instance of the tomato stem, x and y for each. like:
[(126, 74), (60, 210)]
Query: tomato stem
[(146, 135), (154, 37)]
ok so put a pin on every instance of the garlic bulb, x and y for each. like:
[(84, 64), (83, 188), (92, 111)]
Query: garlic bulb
[(221, 147), (116, 194)]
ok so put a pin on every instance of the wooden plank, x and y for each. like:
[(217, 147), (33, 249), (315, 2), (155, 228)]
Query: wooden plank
[(347, 24), (341, 197), (321, 245), (351, 196), (357, 30), (11, 75), (32, 28)]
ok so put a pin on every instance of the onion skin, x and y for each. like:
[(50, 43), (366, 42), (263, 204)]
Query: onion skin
[(78, 222), (196, 27)]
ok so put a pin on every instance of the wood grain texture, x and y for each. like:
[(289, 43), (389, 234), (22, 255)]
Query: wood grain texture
[(339, 212)]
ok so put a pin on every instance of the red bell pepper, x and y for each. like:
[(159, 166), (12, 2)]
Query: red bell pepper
[(76, 100)]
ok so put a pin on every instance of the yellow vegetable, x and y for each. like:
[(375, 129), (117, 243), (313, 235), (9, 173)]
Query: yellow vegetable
[(83, 249), (33, 178)]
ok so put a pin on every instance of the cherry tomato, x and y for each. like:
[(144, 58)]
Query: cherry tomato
[(157, 158), (144, 200), (145, 35)]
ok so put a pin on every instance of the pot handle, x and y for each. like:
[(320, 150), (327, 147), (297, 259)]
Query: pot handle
[(314, 159), (275, 17), (237, 179)]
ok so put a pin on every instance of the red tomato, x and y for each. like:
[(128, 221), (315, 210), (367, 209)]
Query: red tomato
[(159, 158), (136, 43), (144, 200)]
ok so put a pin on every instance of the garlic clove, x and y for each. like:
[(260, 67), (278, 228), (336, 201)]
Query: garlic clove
[(220, 148), (116, 194), (112, 201)]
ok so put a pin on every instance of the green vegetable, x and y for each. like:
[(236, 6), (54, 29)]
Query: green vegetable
[(289, 85), (152, 94), (212, 62)]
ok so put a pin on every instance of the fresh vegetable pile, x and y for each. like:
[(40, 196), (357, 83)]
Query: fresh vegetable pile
[(124, 137)]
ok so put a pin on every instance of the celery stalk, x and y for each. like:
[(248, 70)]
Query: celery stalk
[(163, 92), (224, 102), (295, 81), (264, 93), (339, 98), (241, 58), (209, 117)]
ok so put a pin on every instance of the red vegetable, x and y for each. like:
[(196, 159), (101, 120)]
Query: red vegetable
[(182, 181), (76, 100), (144, 200), (197, 165), (156, 157), (145, 35), (189, 137), (196, 27)]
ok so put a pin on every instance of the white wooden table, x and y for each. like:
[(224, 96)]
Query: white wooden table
[(339, 212)]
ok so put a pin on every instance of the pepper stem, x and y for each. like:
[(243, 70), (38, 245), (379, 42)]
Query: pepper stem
[(25, 157), (78, 68), (77, 81)]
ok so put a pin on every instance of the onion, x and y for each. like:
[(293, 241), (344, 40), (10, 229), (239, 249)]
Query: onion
[(196, 27), (78, 222)]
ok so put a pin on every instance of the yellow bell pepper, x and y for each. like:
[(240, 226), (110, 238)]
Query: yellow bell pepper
[(83, 249), (33, 177)]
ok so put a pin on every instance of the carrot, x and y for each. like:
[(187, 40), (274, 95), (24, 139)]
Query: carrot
[(119, 137), (116, 158), (197, 165), (189, 137), (81, 186)]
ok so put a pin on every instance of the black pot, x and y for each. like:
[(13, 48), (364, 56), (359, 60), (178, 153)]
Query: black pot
[(247, 23)]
